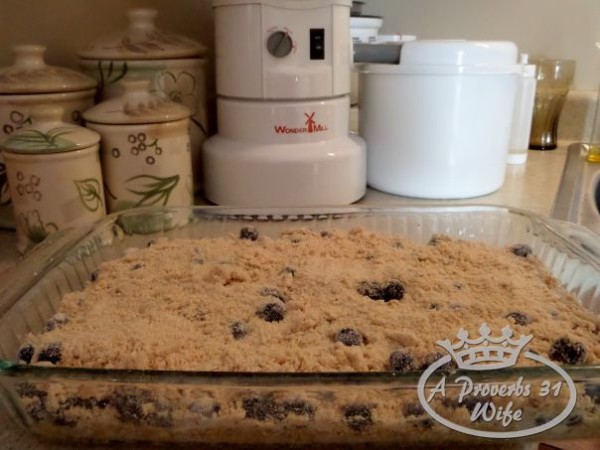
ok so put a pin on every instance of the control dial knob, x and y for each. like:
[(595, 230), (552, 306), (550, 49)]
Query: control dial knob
[(280, 44)]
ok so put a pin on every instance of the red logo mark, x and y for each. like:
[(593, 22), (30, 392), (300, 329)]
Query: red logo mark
[(311, 126)]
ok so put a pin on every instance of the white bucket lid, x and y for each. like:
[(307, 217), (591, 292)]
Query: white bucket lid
[(452, 57)]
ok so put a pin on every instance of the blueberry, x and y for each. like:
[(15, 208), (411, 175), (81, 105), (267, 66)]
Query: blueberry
[(394, 290), (85, 403), (28, 390), (271, 312), (103, 402), (593, 391), (349, 337), (36, 404), (401, 361), (263, 408), (136, 266), (358, 417), (94, 275), (274, 292), (37, 409), (249, 233), (519, 318), (239, 330), (129, 407), (299, 408), (450, 402), (568, 352), (470, 402), (450, 366), (426, 423), (541, 420), (62, 421), (52, 353), (140, 406), (25, 353), (522, 250), (413, 409), (56, 322)]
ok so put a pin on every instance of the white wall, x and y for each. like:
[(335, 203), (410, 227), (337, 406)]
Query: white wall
[(552, 28), (556, 28)]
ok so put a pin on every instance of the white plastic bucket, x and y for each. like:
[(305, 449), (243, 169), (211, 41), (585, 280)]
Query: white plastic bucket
[(438, 124)]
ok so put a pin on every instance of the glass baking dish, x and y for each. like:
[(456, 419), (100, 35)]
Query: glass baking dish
[(286, 408)]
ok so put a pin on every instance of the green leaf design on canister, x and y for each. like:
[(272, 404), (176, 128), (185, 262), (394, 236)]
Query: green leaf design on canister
[(152, 189), (110, 74), (36, 140), (33, 227), (89, 193)]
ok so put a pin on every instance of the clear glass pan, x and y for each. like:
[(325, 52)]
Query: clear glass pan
[(286, 408)]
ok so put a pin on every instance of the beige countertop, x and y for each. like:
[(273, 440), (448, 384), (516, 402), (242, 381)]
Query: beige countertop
[(531, 187)]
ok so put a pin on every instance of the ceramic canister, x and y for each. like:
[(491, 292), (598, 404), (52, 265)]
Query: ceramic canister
[(174, 64), (146, 156), (54, 176), (28, 83)]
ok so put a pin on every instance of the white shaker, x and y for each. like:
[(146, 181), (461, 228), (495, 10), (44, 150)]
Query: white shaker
[(522, 114), (145, 148), (54, 176)]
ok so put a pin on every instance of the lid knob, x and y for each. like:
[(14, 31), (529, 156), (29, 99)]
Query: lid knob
[(134, 87), (46, 113), (141, 18), (29, 56)]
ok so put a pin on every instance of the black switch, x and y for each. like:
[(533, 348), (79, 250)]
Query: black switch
[(317, 43)]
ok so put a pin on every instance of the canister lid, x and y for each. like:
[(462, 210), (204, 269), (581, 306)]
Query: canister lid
[(30, 74), (49, 134), (135, 106), (142, 41)]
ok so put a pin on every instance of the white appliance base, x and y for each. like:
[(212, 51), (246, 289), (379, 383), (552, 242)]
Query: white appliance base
[(324, 173)]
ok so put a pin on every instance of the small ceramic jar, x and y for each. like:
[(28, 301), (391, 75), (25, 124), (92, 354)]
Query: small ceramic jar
[(28, 83), (146, 157), (174, 64), (54, 176)]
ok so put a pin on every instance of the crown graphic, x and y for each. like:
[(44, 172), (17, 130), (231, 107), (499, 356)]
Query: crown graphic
[(485, 352)]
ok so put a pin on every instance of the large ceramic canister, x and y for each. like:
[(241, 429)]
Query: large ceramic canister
[(28, 83), (175, 65), (146, 156), (54, 175)]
